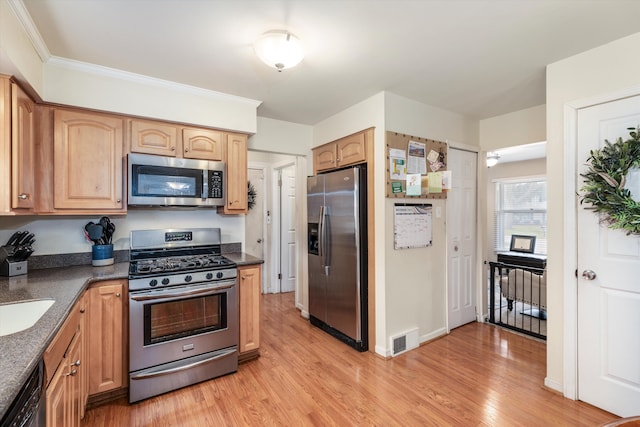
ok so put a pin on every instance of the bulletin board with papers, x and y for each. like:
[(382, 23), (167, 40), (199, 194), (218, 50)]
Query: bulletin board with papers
[(416, 167), (411, 226)]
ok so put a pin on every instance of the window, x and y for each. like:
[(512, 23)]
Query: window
[(521, 208)]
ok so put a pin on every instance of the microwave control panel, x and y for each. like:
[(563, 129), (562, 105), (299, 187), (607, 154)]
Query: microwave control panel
[(215, 185)]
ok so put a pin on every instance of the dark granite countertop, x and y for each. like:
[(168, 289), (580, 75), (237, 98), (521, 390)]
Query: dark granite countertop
[(21, 351), (242, 258)]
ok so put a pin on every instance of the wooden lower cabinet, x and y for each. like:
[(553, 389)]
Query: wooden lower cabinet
[(249, 295), (107, 336), (66, 367)]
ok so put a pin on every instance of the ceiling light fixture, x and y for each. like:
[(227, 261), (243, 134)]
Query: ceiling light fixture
[(279, 49), (492, 159)]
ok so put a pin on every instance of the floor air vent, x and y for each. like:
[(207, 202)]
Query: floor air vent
[(404, 342)]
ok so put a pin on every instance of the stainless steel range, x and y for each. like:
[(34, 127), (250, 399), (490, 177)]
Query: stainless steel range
[(183, 310)]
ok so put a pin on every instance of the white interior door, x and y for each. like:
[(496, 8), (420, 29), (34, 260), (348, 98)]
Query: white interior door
[(254, 219), (609, 304), (288, 229), (461, 238)]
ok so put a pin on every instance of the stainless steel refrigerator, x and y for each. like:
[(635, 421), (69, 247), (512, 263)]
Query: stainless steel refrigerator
[(337, 240)]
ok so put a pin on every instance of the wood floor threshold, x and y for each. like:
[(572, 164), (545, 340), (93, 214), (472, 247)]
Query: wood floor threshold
[(477, 375)]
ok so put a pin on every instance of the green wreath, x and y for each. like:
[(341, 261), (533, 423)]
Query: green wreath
[(605, 179), (251, 195)]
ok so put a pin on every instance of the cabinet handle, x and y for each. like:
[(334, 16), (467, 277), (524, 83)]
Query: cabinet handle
[(23, 196), (118, 294)]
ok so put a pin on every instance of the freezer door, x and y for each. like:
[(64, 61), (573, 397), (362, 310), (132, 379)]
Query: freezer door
[(342, 257), (317, 279)]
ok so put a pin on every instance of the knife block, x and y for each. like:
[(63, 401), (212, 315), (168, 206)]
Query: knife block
[(13, 268)]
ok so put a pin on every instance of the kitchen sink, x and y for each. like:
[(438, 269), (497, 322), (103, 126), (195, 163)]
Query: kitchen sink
[(18, 316)]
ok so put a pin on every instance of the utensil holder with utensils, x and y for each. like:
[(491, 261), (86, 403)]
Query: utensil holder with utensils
[(101, 235), (102, 255)]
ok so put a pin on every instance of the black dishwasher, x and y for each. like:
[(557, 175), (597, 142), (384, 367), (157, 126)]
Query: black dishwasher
[(28, 408)]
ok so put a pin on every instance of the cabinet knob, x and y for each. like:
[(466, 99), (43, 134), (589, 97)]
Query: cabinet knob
[(244, 277), (76, 363), (23, 196), (118, 294), (82, 310), (173, 148), (72, 373), (186, 150), (118, 201)]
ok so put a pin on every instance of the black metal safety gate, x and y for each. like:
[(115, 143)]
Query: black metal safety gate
[(517, 298)]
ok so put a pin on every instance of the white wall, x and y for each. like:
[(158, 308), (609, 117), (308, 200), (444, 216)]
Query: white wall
[(83, 85), (18, 57), (61, 235), (517, 128), (415, 279), (593, 74)]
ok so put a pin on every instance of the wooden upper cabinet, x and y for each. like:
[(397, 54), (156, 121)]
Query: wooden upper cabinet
[(88, 162), (22, 149), (346, 151), (17, 149), (202, 144), (236, 181), (152, 137), (324, 157)]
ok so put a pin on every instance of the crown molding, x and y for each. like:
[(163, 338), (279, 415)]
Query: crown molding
[(113, 73), (20, 11)]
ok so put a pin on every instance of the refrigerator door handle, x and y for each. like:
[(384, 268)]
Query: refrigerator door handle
[(321, 235), (326, 250)]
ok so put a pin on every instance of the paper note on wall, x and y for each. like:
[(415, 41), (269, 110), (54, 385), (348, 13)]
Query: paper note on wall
[(435, 182), (413, 184), (397, 164)]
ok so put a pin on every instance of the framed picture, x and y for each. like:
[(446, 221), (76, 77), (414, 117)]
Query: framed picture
[(525, 244)]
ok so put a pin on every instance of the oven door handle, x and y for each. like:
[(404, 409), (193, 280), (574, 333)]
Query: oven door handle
[(180, 294), (147, 375)]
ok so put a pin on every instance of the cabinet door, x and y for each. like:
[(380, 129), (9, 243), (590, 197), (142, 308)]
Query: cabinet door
[(249, 292), (151, 137), (106, 336), (202, 144), (22, 149), (87, 161), (324, 157), (57, 399), (236, 155), (351, 150), (73, 364)]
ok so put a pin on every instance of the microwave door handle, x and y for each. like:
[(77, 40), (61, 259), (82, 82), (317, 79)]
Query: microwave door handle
[(205, 184)]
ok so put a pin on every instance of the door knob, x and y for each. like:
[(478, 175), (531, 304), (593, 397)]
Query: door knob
[(259, 240), (455, 248), (588, 274)]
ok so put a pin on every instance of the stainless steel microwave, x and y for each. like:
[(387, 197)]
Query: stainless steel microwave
[(170, 181)]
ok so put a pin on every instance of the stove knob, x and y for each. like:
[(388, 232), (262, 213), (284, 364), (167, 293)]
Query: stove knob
[(153, 282), (165, 281), (209, 276), (219, 275), (188, 278)]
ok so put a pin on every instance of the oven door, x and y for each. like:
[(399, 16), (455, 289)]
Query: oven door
[(169, 324)]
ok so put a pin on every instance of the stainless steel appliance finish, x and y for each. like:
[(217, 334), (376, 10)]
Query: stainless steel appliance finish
[(183, 310), (337, 239), (172, 181), (28, 409)]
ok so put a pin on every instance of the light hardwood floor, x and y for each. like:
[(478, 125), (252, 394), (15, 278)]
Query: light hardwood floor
[(479, 375)]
